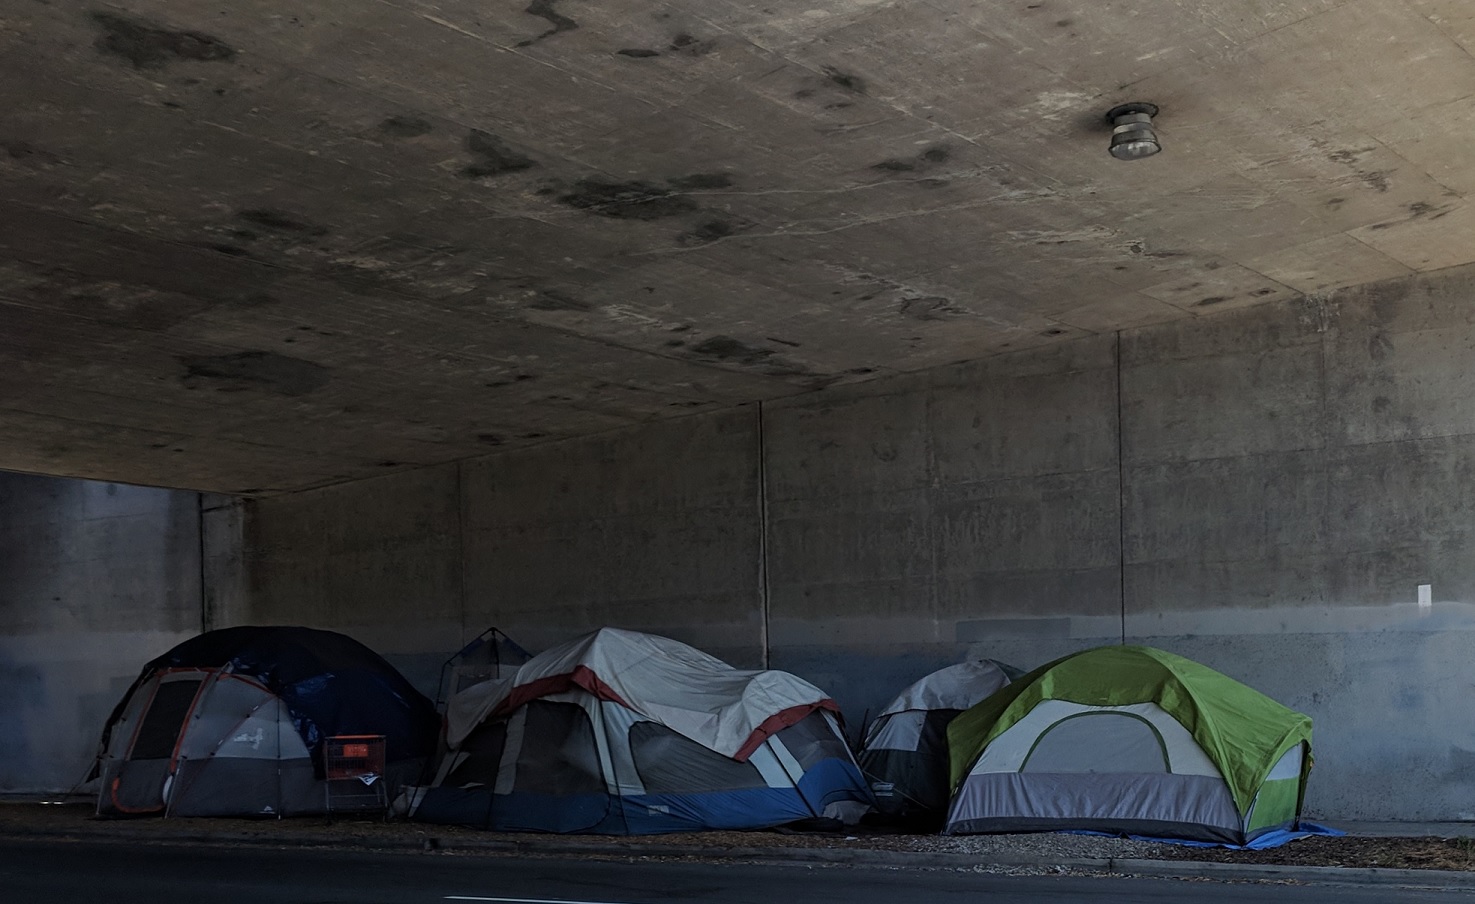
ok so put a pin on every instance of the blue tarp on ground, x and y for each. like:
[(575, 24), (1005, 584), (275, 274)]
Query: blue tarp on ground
[(1271, 839), (1265, 840)]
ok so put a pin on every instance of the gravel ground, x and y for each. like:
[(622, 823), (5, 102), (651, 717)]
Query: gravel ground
[(16, 818), (22, 818)]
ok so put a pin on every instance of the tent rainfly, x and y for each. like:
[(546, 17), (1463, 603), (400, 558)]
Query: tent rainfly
[(232, 723), (1130, 740), (620, 732), (905, 754)]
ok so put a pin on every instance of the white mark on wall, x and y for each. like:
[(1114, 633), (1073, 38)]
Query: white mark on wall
[(1050, 103), (1155, 54), (1426, 598), (626, 314)]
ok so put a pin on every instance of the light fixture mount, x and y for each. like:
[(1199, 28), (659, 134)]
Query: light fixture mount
[(1132, 135)]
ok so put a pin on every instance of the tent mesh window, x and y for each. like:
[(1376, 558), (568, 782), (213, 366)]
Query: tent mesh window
[(165, 720), (811, 740), (559, 754), (669, 763), (1098, 742), (483, 751)]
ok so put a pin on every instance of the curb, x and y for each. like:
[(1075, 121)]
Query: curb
[(855, 857), (1311, 875)]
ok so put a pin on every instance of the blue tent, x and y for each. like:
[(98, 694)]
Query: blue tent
[(233, 722)]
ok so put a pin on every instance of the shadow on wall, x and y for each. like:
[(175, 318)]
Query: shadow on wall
[(54, 700), (862, 682), (22, 704), (95, 579), (863, 679)]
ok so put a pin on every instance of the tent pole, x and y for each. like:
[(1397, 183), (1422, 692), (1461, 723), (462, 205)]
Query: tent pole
[(279, 756)]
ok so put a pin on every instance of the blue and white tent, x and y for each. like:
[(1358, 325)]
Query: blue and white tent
[(626, 733)]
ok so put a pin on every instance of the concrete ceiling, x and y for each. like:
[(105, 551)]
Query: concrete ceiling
[(259, 245)]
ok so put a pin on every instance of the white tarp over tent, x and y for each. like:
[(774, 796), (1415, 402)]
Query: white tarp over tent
[(955, 687), (696, 695), (626, 733)]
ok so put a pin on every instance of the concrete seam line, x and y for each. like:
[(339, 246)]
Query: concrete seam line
[(461, 554), (1121, 485), (764, 583), (207, 614)]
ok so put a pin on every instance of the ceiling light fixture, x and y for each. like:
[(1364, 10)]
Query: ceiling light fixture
[(1132, 136)]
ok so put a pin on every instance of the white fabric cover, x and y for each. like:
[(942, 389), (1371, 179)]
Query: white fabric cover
[(958, 686), (680, 687)]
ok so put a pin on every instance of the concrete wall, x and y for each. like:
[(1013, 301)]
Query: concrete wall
[(1280, 482), (971, 507), (654, 529), (1293, 475), (378, 560), (95, 579), (1262, 490)]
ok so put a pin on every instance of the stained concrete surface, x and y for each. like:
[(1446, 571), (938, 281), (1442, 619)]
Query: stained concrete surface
[(1243, 501), (1215, 411), (249, 257), (381, 563), (662, 524), (1223, 488)]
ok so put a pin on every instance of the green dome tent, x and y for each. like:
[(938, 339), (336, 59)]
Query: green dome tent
[(1132, 740)]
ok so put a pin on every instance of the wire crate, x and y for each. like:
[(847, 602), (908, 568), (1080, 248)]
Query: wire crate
[(353, 768)]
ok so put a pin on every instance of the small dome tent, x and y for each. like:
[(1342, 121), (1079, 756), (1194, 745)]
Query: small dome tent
[(620, 732), (232, 723), (1131, 740), (905, 756)]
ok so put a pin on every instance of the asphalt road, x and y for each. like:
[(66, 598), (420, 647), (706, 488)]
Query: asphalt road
[(58, 871)]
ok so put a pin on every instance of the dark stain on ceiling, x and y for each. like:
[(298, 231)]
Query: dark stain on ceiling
[(297, 242)]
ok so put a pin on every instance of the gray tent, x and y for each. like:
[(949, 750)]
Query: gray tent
[(905, 758)]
